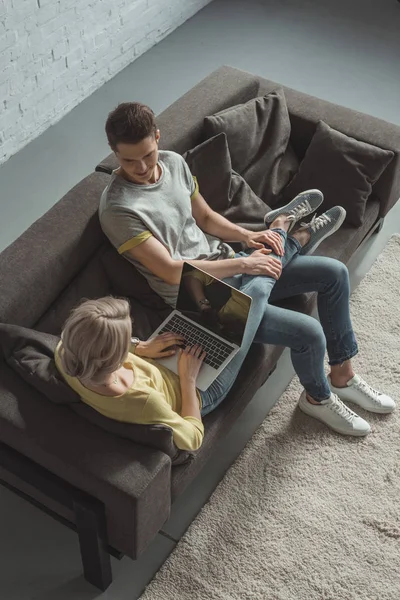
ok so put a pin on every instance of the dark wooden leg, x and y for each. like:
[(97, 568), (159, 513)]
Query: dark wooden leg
[(380, 223), (91, 526), (89, 513)]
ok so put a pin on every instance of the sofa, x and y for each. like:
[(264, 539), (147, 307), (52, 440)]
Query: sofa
[(115, 492)]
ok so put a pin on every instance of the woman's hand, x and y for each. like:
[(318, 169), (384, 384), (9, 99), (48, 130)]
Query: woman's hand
[(161, 346), (189, 362)]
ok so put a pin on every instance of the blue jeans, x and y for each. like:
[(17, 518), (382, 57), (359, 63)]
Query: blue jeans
[(307, 338)]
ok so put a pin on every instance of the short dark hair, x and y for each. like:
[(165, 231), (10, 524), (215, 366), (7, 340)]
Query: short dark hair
[(129, 123)]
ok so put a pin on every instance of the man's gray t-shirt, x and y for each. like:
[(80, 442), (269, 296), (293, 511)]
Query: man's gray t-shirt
[(130, 213)]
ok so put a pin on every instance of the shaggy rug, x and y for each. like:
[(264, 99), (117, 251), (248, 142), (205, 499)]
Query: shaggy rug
[(304, 513)]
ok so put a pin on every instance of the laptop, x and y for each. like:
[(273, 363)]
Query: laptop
[(211, 313)]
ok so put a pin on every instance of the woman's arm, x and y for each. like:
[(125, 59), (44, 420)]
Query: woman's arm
[(190, 401), (189, 364), (188, 432)]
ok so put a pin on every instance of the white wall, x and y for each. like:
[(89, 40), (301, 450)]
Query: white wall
[(55, 53)]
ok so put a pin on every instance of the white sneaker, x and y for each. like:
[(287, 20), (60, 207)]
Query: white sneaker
[(336, 415), (361, 393)]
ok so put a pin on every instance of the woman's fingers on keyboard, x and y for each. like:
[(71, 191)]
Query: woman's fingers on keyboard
[(194, 349), (175, 338), (199, 350)]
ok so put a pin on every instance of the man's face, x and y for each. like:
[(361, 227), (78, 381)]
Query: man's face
[(138, 161)]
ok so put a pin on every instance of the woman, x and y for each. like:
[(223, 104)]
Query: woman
[(94, 356)]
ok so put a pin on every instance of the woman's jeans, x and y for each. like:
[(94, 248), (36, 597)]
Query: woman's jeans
[(307, 338)]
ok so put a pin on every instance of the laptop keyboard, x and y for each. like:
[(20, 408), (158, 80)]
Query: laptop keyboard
[(216, 350)]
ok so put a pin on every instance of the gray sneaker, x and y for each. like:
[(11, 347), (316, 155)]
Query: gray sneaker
[(301, 206), (321, 227)]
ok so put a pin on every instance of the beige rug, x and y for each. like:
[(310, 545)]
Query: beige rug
[(305, 514)]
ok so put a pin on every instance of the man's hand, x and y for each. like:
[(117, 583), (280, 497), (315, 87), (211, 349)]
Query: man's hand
[(255, 239), (161, 346), (259, 263)]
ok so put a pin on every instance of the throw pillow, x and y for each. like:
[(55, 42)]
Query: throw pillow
[(224, 190), (258, 135), (31, 354), (343, 168)]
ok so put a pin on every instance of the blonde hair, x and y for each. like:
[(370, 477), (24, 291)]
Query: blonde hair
[(96, 338)]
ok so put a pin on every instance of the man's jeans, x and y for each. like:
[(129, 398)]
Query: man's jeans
[(307, 338)]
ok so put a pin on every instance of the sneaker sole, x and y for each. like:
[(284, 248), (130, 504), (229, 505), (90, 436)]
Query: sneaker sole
[(338, 224), (353, 432), (279, 211), (384, 411)]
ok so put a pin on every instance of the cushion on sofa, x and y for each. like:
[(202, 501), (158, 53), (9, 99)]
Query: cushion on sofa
[(31, 354), (258, 135), (108, 273), (223, 189), (343, 168), (125, 280)]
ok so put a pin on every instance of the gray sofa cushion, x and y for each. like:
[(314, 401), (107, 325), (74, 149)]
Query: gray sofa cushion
[(305, 112), (343, 168), (108, 273), (125, 280), (30, 353), (258, 135), (223, 189)]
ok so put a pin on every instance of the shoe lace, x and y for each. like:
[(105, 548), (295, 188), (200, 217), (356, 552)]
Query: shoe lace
[(369, 391), (301, 210), (341, 409), (317, 222)]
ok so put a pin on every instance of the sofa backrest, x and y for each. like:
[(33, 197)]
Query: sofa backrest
[(181, 123), (57, 250), (41, 263)]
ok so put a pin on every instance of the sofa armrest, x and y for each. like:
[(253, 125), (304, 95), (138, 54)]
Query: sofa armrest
[(305, 112), (132, 481)]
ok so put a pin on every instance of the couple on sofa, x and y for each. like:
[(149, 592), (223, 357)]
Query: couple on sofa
[(154, 214)]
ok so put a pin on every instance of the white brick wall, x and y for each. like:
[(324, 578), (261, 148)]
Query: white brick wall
[(55, 53)]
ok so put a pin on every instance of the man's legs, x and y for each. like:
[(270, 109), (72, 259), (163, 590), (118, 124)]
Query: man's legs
[(259, 288), (329, 278), (309, 339)]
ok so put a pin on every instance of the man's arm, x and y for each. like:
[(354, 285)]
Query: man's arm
[(211, 222), (155, 257)]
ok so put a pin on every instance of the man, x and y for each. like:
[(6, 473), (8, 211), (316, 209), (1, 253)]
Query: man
[(154, 214)]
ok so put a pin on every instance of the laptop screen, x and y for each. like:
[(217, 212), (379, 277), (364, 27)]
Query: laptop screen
[(213, 304)]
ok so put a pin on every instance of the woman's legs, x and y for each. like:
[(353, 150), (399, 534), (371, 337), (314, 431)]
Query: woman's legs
[(259, 288)]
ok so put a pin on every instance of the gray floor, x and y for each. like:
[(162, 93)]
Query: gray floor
[(346, 52)]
